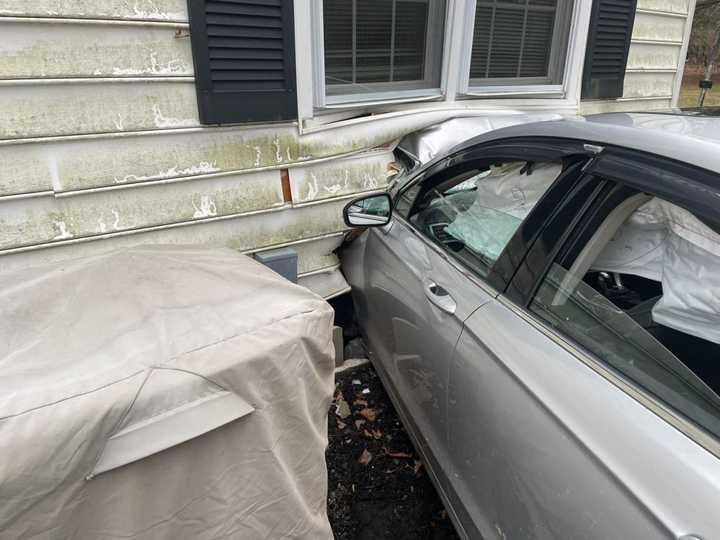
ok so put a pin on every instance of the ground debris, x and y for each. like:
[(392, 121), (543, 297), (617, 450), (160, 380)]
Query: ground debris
[(400, 455), (365, 457), (342, 409), (369, 414), (378, 489)]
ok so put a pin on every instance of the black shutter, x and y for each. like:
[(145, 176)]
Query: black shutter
[(244, 56), (611, 25)]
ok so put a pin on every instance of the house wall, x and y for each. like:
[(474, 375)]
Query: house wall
[(101, 146), (656, 58)]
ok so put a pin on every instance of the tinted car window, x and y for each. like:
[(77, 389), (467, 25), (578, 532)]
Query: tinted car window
[(475, 214), (643, 304)]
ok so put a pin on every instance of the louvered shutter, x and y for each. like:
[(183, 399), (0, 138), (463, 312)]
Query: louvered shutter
[(611, 25), (244, 56)]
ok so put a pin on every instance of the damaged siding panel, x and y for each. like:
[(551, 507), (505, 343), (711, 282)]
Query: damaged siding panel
[(144, 10), (70, 164), (243, 233), (326, 284), (43, 110), (364, 172), (48, 219), (318, 254), (75, 165), (52, 50), (110, 160)]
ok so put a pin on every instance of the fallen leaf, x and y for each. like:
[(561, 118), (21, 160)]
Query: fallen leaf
[(365, 457), (367, 434), (403, 455), (359, 424), (368, 414), (342, 409), (341, 425)]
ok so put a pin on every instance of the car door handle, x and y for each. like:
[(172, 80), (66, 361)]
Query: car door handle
[(440, 297)]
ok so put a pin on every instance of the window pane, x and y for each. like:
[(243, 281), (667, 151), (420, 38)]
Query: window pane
[(382, 45), (640, 296), (475, 214), (516, 39), (410, 32), (373, 35), (504, 58), (591, 319), (536, 45), (338, 41)]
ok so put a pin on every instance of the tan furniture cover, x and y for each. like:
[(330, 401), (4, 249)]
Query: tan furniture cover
[(162, 393)]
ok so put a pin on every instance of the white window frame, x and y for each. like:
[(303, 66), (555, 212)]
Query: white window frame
[(454, 92), (323, 100), (466, 86)]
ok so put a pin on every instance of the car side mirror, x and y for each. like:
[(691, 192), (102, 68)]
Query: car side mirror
[(368, 211)]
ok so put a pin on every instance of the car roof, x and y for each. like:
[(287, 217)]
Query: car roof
[(693, 139)]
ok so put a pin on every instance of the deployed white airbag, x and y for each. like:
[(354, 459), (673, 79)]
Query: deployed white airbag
[(504, 196), (660, 241), (162, 393), (666, 243)]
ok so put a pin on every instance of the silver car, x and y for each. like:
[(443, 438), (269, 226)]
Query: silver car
[(542, 303)]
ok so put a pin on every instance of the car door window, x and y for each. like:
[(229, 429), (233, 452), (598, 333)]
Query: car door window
[(474, 214), (619, 299)]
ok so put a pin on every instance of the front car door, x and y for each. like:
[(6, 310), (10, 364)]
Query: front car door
[(580, 406), (451, 247)]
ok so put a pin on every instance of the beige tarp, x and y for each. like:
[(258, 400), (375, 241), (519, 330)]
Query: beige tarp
[(162, 393)]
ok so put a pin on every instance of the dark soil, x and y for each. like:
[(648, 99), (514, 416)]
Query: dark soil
[(378, 489)]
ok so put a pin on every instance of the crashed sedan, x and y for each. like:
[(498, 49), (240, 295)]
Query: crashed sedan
[(542, 303)]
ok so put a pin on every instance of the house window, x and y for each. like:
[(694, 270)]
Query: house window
[(381, 49), (519, 42), (369, 51)]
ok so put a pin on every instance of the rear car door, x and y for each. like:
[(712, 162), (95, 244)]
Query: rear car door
[(571, 414), (418, 279)]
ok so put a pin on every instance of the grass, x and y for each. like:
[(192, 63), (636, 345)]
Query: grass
[(689, 91)]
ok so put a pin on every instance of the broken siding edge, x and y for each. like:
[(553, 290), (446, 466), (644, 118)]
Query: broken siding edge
[(300, 241), (140, 133), (322, 270), (324, 200), (164, 226), (204, 176)]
